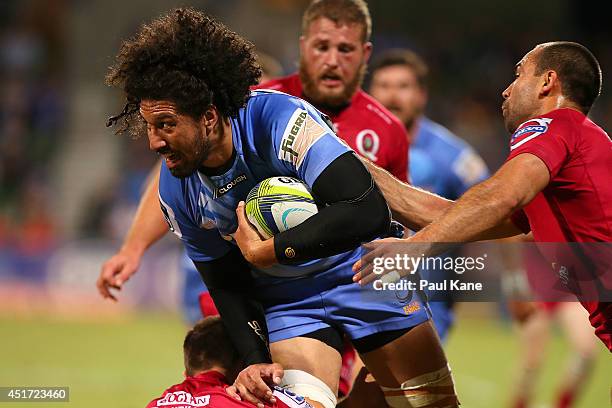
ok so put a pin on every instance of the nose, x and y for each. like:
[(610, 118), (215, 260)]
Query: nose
[(155, 141), (331, 58), (506, 93)]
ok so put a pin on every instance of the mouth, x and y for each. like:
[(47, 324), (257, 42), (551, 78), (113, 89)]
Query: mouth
[(331, 80), (394, 109), (172, 159)]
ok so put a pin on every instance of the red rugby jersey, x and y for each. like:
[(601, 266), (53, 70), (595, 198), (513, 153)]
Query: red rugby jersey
[(208, 390), (367, 126), (576, 206)]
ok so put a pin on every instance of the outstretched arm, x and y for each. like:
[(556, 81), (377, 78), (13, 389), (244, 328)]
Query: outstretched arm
[(147, 228), (483, 212), (416, 208)]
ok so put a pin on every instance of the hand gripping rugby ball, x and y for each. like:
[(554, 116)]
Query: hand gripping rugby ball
[(279, 203)]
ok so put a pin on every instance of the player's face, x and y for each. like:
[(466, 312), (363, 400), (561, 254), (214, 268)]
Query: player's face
[(332, 62), (180, 139), (398, 89), (521, 97)]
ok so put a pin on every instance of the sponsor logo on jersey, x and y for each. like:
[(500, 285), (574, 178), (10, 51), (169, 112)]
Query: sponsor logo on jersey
[(368, 144), (256, 327), (529, 130), (184, 399), (219, 191), (412, 307), (301, 133)]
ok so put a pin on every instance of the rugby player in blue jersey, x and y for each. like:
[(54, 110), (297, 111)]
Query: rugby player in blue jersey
[(440, 162), (186, 78)]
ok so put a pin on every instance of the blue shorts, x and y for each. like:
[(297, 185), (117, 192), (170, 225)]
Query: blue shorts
[(295, 307)]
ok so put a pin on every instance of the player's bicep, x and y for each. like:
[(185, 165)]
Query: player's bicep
[(522, 177), (304, 143)]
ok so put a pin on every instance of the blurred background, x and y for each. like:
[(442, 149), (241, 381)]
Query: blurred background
[(69, 186)]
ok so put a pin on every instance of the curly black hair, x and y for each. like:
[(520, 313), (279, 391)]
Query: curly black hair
[(186, 57)]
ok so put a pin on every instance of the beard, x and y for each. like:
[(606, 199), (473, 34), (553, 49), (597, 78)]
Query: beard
[(192, 160), (329, 101)]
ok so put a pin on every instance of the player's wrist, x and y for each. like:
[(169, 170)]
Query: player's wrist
[(133, 249), (263, 254)]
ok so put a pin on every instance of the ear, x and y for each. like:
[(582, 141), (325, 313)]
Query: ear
[(210, 118), (367, 51), (550, 81), (302, 44)]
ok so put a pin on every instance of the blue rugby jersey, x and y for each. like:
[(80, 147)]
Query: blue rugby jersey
[(275, 134), (443, 163)]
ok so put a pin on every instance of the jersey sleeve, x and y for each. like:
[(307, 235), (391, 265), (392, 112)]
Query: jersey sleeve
[(201, 244), (467, 169), (301, 141), (398, 157), (550, 138)]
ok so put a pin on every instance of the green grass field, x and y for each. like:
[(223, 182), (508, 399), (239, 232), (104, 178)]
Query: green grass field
[(128, 362)]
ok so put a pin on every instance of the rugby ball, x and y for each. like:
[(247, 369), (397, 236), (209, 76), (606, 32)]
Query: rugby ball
[(279, 203)]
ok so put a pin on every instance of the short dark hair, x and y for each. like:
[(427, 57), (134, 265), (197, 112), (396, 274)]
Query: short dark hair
[(189, 58), (207, 345), (340, 12), (405, 58), (577, 68)]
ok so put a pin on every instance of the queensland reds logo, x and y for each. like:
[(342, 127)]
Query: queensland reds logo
[(368, 144), (529, 130)]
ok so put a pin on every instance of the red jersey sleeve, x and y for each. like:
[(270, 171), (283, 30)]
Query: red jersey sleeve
[(398, 154), (551, 138)]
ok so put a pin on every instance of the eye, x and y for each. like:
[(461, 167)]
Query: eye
[(321, 47), (345, 49), (166, 125)]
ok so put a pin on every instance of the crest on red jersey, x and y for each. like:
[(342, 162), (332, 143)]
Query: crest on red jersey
[(528, 131)]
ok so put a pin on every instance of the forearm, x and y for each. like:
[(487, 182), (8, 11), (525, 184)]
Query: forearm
[(148, 225), (336, 229), (354, 211), (230, 284), (413, 207), (484, 211), (481, 213)]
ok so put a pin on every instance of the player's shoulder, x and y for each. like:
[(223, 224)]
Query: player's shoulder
[(559, 122), (290, 84), (375, 111)]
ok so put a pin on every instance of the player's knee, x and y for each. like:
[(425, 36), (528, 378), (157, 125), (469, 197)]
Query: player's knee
[(309, 386), (431, 390)]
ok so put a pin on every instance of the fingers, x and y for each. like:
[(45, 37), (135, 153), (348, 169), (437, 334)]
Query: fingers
[(259, 388), (250, 384), (115, 272), (241, 214), (232, 391), (252, 389), (105, 281), (277, 373), (247, 396)]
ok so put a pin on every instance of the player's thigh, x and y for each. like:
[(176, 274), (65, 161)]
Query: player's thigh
[(310, 355), (574, 320), (415, 353)]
